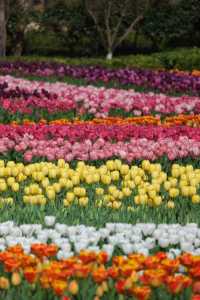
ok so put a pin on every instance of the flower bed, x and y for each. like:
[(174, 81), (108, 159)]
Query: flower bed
[(114, 238), (90, 274), (41, 99), (114, 184), (116, 161), (163, 81), (100, 141)]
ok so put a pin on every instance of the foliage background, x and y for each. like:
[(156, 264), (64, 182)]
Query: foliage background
[(64, 28)]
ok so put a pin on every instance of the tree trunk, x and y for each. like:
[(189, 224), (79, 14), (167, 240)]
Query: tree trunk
[(109, 55), (2, 28)]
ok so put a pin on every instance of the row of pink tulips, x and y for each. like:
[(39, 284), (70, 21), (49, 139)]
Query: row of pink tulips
[(113, 133), (137, 148), (98, 101)]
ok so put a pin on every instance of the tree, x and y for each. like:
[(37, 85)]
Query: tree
[(116, 19), (166, 24), (4, 5)]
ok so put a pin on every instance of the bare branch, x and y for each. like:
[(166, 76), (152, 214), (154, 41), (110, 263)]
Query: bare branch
[(107, 23), (129, 30), (100, 30), (116, 29)]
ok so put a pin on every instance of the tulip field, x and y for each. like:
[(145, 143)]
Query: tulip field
[(99, 183)]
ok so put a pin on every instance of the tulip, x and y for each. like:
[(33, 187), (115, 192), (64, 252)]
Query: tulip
[(4, 283), (16, 279), (73, 287)]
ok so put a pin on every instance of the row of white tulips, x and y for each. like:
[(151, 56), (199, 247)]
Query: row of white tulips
[(139, 238)]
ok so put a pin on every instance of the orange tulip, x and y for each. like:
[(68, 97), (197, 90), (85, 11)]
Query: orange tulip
[(4, 283), (16, 279), (73, 287)]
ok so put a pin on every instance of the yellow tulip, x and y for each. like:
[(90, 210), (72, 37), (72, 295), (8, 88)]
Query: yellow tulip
[(157, 200), (15, 187), (99, 191), (137, 200), (131, 184), (195, 199), (116, 204), (8, 171), (110, 165), (193, 182), (89, 179), (3, 186), (141, 191), (118, 164), (106, 179), (173, 182), (21, 177), (146, 165), (112, 188), (143, 199), (155, 174), (175, 173), (115, 175), (66, 203), (185, 191), (57, 187), (152, 194), (183, 183), (9, 200), (11, 164), (170, 204), (115, 194), (83, 201), (61, 163), (124, 169), (45, 182), (14, 171), (96, 177), (42, 201), (10, 181), (2, 164), (52, 173), (156, 186), (75, 179), (189, 168), (51, 194), (69, 184), (127, 192), (192, 190), (137, 180), (173, 192)]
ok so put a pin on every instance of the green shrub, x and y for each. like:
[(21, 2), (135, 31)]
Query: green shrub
[(43, 43), (183, 59)]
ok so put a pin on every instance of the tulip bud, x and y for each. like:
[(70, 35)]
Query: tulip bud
[(73, 287), (4, 283), (99, 291), (16, 279)]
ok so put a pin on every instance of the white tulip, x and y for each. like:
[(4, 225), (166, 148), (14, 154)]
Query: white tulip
[(187, 247), (4, 230), (61, 228), (66, 247), (148, 229), (2, 241), (163, 242), (174, 239), (197, 242), (49, 221), (80, 246), (144, 251), (127, 248)]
